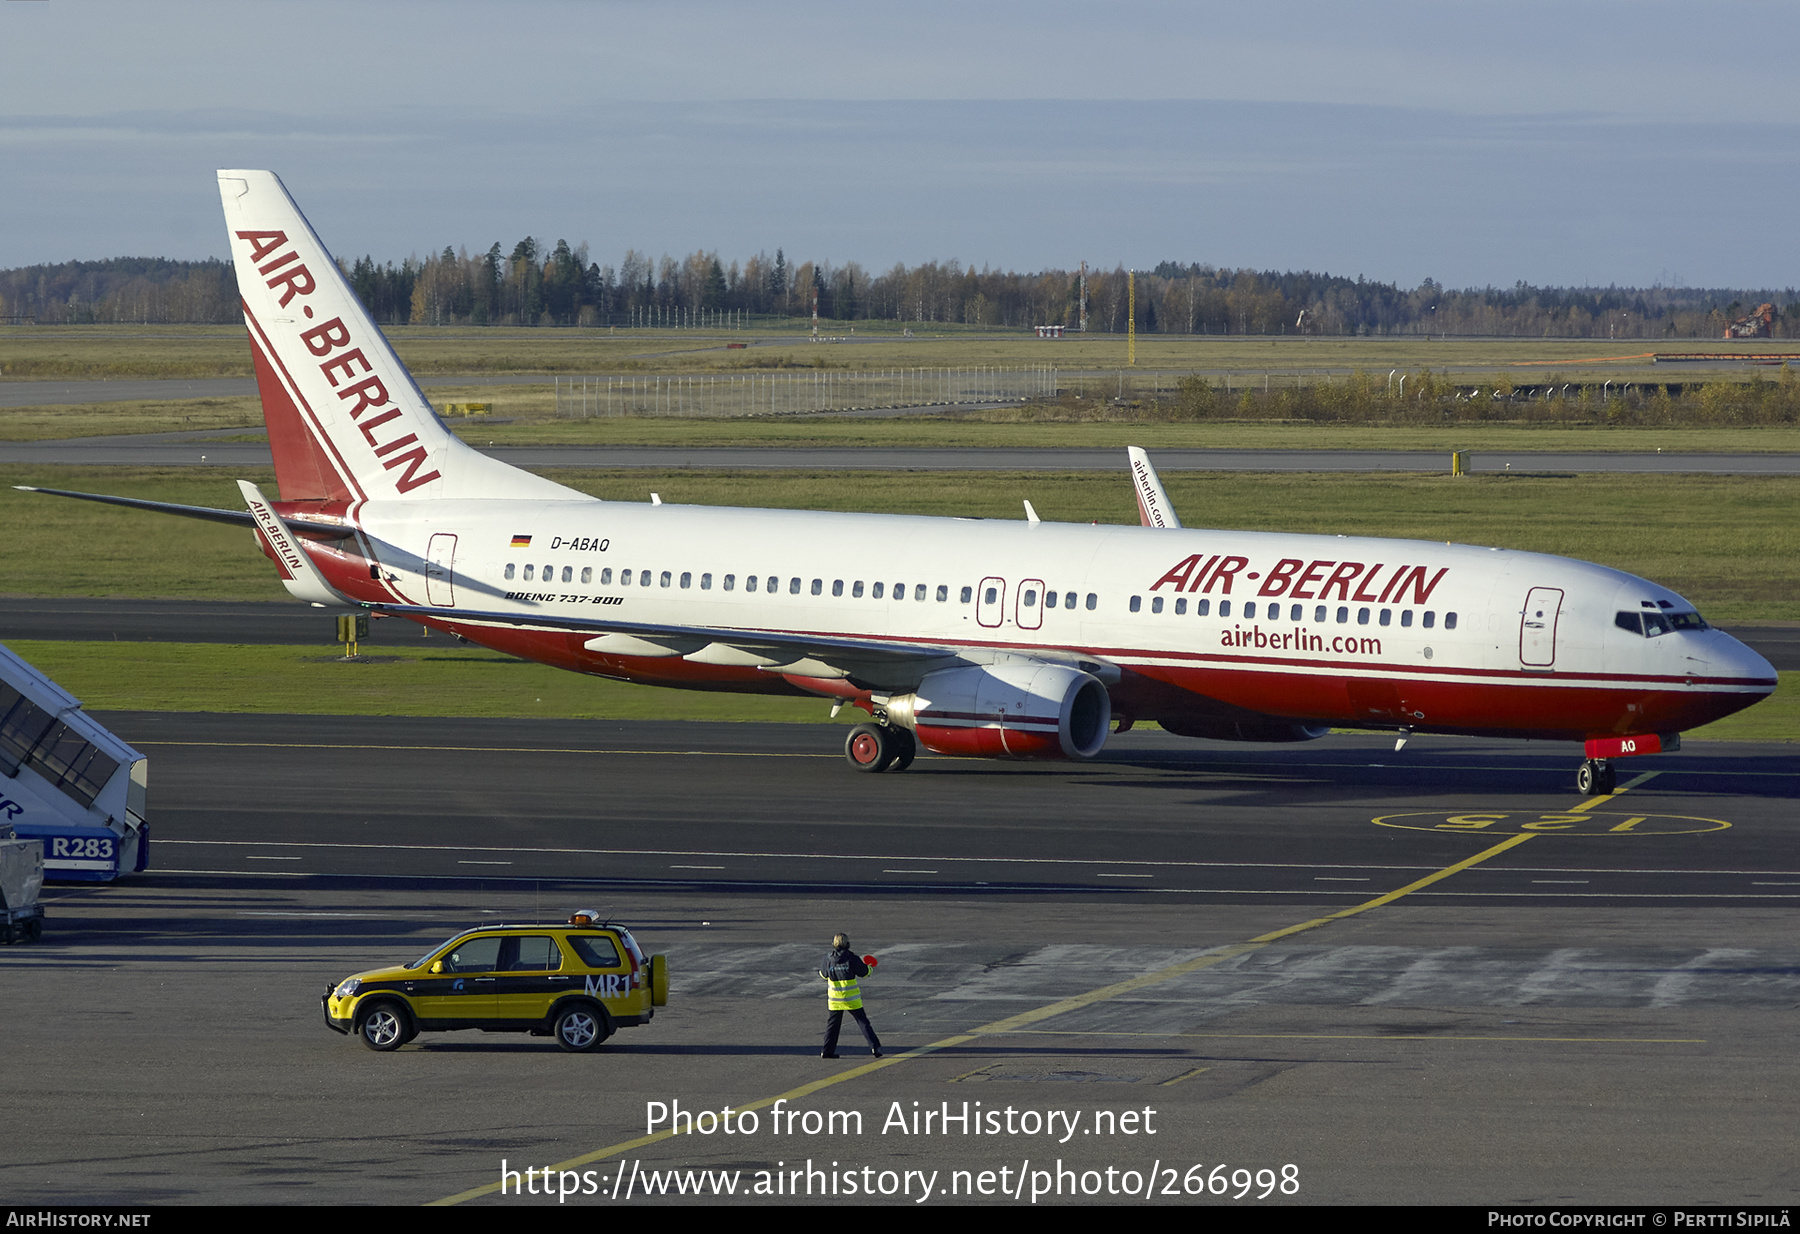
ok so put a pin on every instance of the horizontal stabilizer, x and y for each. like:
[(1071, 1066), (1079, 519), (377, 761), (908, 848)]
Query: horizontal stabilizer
[(240, 518)]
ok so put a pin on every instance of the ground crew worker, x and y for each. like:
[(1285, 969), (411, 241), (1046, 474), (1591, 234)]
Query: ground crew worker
[(840, 971)]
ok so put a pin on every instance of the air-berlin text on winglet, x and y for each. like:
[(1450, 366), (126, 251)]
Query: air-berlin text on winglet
[(1298, 579), (287, 272)]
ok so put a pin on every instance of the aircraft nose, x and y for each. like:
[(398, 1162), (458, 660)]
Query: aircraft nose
[(1727, 657)]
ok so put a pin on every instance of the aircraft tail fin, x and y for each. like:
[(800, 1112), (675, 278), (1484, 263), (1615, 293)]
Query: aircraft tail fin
[(346, 421)]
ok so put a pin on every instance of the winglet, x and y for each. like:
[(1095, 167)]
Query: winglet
[(1031, 515), (298, 574), (1154, 507)]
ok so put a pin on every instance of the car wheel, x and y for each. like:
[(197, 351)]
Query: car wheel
[(579, 1029), (384, 1028)]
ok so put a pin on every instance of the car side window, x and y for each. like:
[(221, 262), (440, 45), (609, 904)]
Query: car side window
[(537, 953), (477, 955), (595, 950)]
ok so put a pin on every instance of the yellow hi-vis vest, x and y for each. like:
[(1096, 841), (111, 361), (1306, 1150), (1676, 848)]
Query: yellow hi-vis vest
[(843, 995)]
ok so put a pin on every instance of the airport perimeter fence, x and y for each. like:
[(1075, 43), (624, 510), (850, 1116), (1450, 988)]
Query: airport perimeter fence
[(797, 393)]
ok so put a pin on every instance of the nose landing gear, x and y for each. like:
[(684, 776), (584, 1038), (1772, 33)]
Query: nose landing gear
[(1596, 778)]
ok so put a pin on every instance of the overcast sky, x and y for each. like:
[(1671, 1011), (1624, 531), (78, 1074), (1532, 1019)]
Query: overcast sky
[(1565, 143)]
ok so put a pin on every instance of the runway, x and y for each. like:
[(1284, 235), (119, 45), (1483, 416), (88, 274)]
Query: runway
[(1432, 976), (294, 624), (236, 451)]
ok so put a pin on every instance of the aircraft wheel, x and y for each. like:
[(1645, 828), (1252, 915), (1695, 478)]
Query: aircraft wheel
[(1596, 778), (870, 747), (906, 746)]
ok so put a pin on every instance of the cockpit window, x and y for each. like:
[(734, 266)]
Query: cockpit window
[(1651, 625)]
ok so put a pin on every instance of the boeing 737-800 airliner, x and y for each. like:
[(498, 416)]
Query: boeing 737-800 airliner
[(1019, 639)]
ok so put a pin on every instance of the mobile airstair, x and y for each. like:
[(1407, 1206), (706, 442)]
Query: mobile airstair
[(67, 781)]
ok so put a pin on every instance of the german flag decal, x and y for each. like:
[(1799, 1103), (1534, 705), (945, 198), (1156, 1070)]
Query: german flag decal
[(521, 542)]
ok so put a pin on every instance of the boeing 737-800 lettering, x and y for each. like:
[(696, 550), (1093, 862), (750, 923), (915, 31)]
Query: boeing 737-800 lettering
[(1018, 639)]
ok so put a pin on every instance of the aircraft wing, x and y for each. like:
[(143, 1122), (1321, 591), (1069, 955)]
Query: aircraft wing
[(875, 663)]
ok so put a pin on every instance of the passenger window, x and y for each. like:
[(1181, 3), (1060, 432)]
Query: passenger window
[(1386, 615), (899, 591), (1156, 604), (919, 591), (1405, 618), (644, 579), (606, 577), (729, 582), (687, 580), (665, 578), (1250, 610), (773, 585), (537, 953), (587, 575), (1049, 599), (1180, 607), (968, 594), (793, 586), (943, 593), (1137, 603), (990, 595), (837, 586), (1297, 613), (1224, 608), (528, 570), (1362, 616), (1430, 620), (1343, 616), (1202, 608), (750, 583), (878, 589), (1031, 597), (509, 569), (1069, 600), (1093, 601), (706, 582), (1319, 613), (595, 950), (549, 572), (1449, 621), (568, 574), (818, 587)]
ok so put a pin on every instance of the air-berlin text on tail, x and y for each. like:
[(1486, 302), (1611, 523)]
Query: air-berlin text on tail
[(341, 362), (1299, 579)]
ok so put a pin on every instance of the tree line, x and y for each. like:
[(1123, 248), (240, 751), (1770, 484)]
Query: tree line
[(536, 284)]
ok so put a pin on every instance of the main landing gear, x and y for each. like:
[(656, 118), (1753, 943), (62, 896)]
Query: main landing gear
[(879, 747), (1596, 778)]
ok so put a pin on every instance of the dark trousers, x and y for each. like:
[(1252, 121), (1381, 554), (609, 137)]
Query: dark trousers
[(834, 1020)]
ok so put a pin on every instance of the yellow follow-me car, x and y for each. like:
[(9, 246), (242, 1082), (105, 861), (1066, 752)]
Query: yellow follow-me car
[(576, 982)]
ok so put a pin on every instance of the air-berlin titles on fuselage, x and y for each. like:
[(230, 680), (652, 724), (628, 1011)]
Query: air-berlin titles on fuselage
[(287, 272), (1295, 579)]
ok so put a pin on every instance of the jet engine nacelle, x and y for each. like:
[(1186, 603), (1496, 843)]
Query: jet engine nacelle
[(1271, 729), (1024, 710)]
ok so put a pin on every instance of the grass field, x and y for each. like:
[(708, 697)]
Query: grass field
[(443, 678), (209, 351), (1729, 543)]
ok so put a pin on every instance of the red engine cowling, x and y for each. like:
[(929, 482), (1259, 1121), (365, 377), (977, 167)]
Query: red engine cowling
[(1025, 710)]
